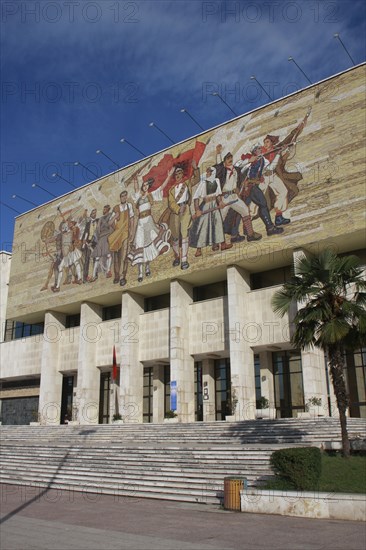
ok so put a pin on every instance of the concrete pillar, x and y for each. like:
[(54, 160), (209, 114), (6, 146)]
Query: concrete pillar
[(5, 261), (314, 379), (267, 380), (88, 385), (241, 354), (158, 394), (208, 388), (51, 380), (313, 368), (132, 370), (181, 362)]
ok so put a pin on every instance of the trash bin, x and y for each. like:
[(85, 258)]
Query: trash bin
[(232, 488)]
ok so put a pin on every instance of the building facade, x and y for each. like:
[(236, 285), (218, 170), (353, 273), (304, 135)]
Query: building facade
[(173, 261)]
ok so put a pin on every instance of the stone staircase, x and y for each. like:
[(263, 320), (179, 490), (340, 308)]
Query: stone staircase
[(186, 462)]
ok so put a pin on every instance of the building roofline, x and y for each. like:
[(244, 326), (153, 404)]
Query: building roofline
[(197, 135)]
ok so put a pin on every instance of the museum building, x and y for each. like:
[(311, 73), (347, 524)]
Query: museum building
[(149, 290)]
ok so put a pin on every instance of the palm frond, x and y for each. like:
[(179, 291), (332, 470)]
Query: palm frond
[(329, 292)]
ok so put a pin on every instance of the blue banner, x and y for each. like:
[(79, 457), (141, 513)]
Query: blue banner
[(173, 395)]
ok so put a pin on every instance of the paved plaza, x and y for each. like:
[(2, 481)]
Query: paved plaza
[(38, 518)]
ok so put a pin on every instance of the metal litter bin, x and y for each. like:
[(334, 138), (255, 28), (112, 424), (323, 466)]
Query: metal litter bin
[(232, 488)]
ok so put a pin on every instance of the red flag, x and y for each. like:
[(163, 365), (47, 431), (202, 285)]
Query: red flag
[(184, 160), (114, 368)]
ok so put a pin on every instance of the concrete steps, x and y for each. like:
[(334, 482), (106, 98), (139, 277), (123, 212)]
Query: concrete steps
[(186, 462)]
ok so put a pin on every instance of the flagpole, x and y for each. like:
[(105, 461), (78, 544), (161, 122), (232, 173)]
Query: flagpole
[(114, 405)]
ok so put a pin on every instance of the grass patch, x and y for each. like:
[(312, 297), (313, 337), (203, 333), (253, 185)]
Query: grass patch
[(339, 475), (342, 475)]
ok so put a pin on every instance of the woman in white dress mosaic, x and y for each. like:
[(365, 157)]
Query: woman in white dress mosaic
[(151, 239)]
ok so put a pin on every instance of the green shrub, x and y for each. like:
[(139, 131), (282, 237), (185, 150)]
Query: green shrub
[(301, 466), (170, 414)]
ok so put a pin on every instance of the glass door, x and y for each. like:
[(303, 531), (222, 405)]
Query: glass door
[(222, 388), (288, 382), (355, 371), (148, 395), (166, 389), (198, 398), (104, 397), (66, 399)]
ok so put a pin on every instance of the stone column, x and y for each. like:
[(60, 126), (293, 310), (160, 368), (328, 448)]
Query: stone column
[(88, 384), (5, 261), (267, 380), (314, 379), (181, 362), (208, 383), (313, 368), (51, 379), (158, 394), (241, 354), (132, 370)]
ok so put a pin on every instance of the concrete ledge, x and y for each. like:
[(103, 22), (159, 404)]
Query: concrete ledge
[(305, 504)]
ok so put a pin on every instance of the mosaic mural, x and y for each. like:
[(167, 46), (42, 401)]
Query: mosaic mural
[(262, 177)]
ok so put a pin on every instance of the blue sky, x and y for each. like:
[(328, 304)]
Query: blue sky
[(78, 75)]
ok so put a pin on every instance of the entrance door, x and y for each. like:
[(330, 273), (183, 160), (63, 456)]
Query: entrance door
[(104, 397), (222, 388), (166, 389), (148, 395), (66, 398), (198, 391), (288, 383), (355, 370)]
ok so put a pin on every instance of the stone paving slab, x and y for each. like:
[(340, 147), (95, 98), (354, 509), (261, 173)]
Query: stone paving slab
[(43, 519)]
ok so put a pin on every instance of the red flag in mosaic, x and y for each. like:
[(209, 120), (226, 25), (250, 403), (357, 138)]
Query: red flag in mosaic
[(184, 160)]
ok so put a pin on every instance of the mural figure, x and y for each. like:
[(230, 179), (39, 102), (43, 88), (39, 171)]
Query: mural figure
[(178, 214), (88, 242), (279, 184), (150, 239), (253, 164), (102, 255), (70, 258), (227, 195), (121, 237), (49, 235), (230, 178), (207, 227)]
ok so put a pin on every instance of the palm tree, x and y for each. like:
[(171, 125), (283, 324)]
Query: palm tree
[(331, 314)]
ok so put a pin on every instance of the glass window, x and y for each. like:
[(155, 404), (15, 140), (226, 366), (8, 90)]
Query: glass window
[(209, 292), (271, 277), (153, 303), (72, 321), (112, 312), (15, 330)]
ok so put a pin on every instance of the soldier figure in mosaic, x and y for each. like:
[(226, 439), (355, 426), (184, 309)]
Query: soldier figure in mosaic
[(121, 237), (88, 242), (230, 178), (70, 258), (179, 215), (252, 165), (280, 186), (102, 255)]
